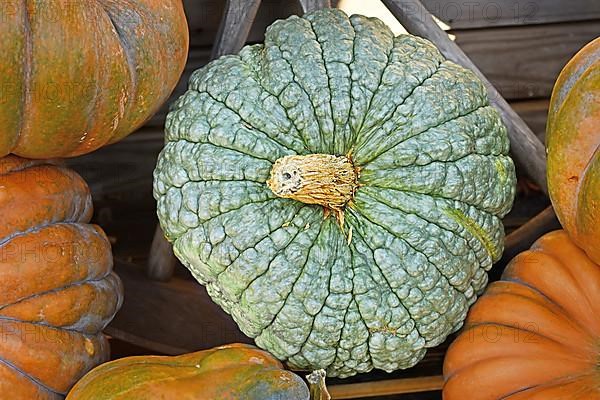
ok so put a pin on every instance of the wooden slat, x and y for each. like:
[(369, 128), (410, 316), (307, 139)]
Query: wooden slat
[(526, 148), (534, 113), (468, 14), (523, 62), (235, 26), (172, 317), (312, 5), (386, 387)]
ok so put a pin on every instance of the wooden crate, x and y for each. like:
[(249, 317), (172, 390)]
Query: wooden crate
[(519, 45)]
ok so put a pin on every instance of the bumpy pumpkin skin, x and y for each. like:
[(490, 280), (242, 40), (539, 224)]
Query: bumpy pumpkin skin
[(420, 231), (231, 372), (57, 288), (573, 142), (76, 75), (535, 334)]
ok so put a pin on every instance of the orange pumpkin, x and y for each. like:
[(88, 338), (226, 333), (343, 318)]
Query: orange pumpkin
[(57, 288), (232, 372), (573, 142), (535, 334), (76, 75)]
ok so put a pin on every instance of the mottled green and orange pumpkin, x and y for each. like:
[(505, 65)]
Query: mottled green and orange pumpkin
[(231, 372), (57, 288), (573, 142), (76, 75)]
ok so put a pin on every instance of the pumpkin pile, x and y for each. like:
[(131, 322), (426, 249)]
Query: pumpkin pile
[(57, 288), (74, 76), (535, 334), (338, 190)]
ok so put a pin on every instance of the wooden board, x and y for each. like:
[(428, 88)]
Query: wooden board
[(534, 113), (523, 62), (468, 14)]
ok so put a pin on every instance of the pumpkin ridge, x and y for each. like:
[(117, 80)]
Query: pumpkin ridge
[(40, 294), (130, 64), (241, 152), (473, 366), (380, 81), (27, 72), (416, 325), (309, 250), (365, 139), (299, 82), (417, 251), (241, 292), (331, 149), (243, 120), (237, 299), (516, 279), (431, 222), (387, 281), (329, 293), (293, 121), (546, 385), (462, 115), (475, 230), (34, 380)]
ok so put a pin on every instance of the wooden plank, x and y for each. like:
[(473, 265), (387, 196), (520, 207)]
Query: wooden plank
[(534, 113), (468, 14), (204, 17), (312, 5), (523, 62), (237, 20), (172, 317), (386, 387), (526, 148)]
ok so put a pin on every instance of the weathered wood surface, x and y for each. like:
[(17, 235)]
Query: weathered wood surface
[(468, 14), (312, 5), (526, 148), (534, 113), (172, 317), (386, 387), (238, 18), (523, 62)]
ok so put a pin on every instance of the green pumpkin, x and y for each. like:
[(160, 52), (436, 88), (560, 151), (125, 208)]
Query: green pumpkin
[(338, 190)]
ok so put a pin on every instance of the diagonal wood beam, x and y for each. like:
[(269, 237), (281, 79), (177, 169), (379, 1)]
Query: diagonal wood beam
[(527, 150), (237, 20), (312, 5)]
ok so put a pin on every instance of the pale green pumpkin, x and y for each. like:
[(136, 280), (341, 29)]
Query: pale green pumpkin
[(388, 260)]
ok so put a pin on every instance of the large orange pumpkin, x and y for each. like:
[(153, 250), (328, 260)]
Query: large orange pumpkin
[(573, 142), (76, 75), (57, 288), (232, 372), (535, 334)]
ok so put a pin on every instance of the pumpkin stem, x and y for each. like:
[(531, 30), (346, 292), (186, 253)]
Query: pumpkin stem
[(322, 179), (318, 389)]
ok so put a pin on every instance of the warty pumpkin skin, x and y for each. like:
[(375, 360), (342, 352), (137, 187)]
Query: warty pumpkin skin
[(573, 145), (231, 372), (57, 288), (76, 75), (535, 334), (338, 190)]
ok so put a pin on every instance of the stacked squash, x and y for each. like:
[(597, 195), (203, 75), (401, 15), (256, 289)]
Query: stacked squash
[(74, 76), (535, 334), (57, 288)]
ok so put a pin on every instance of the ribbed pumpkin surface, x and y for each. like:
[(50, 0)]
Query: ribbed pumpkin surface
[(76, 75), (57, 288), (419, 232)]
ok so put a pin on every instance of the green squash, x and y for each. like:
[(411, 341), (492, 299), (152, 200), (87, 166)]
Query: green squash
[(338, 190)]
